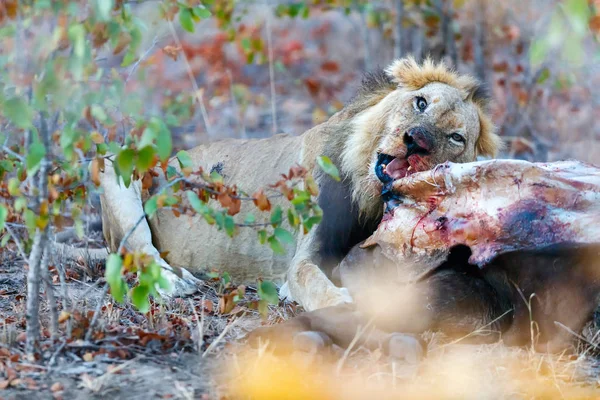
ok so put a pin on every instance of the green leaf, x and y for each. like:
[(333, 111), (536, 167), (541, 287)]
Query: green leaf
[(185, 19), (263, 307), (249, 219), (276, 216), (5, 240), (262, 236), (145, 159), (267, 291), (201, 12), (3, 215), (164, 144), (246, 44), (195, 202), (229, 225), (98, 113), (104, 8), (283, 235), (276, 245), (113, 276), (184, 159), (543, 77), (328, 167), (151, 206), (310, 222), (226, 278), (139, 298), (125, 162), (36, 153), (538, 51), (18, 111)]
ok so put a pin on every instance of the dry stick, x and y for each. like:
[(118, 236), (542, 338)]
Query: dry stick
[(218, 339), (235, 105), (88, 334), (199, 322), (193, 80), (16, 240), (271, 74), (359, 332), (66, 303), (49, 289), (137, 63), (578, 336)]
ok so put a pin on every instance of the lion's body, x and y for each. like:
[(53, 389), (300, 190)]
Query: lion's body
[(379, 120), (251, 165)]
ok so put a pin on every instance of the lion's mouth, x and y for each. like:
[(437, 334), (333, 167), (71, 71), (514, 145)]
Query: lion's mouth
[(390, 168)]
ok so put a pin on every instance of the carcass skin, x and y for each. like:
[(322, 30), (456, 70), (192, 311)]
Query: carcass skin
[(481, 247), (493, 207)]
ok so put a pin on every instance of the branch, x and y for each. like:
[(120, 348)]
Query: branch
[(137, 63), (192, 79), (271, 74)]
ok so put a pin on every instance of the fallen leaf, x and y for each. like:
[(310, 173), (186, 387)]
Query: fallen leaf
[(57, 387)]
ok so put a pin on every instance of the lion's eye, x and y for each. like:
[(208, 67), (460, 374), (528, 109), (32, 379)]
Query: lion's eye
[(457, 137), (421, 104)]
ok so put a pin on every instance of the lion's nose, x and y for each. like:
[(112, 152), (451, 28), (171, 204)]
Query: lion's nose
[(418, 140)]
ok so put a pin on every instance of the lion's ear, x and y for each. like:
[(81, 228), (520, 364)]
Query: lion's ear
[(488, 143)]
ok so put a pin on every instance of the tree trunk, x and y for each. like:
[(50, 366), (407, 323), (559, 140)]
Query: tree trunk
[(479, 40), (39, 187), (399, 49)]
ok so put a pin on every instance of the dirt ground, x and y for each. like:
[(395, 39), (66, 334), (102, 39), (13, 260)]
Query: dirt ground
[(161, 355)]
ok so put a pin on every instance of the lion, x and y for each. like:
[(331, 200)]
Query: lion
[(404, 119)]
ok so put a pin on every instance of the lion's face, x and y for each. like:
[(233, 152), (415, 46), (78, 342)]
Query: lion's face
[(418, 116), (426, 127)]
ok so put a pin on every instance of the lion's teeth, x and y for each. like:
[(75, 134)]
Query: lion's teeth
[(409, 167)]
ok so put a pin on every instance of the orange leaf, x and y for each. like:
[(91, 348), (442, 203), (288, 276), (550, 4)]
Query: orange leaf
[(234, 208), (95, 172), (261, 201), (172, 51)]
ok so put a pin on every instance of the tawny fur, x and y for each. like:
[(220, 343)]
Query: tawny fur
[(374, 120)]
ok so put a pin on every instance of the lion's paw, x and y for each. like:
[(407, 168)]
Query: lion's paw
[(182, 286)]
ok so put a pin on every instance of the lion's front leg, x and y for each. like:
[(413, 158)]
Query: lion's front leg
[(311, 288), (122, 210)]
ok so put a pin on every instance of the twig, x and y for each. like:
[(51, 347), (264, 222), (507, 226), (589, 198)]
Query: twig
[(193, 80), (271, 74), (578, 336), (137, 63), (12, 153), (56, 353), (66, 303), (199, 322), (88, 335), (129, 233), (359, 332), (16, 240), (218, 339)]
